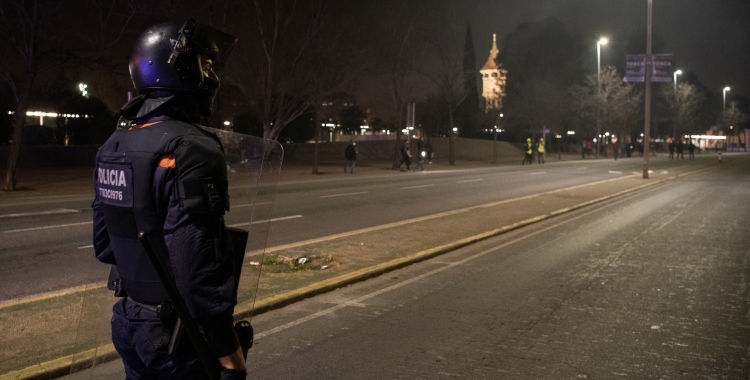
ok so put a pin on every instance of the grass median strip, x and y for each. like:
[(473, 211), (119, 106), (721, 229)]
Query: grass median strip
[(357, 256)]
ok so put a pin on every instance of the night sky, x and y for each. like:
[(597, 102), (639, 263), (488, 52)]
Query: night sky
[(708, 37)]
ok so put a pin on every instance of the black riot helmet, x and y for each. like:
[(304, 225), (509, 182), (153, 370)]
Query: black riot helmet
[(167, 56)]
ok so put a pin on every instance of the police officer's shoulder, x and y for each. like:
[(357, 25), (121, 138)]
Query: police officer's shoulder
[(201, 173)]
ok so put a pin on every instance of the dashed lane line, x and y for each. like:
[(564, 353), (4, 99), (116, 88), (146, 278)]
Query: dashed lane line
[(343, 195), (416, 187), (471, 180), (40, 213), (536, 173), (48, 227), (266, 221)]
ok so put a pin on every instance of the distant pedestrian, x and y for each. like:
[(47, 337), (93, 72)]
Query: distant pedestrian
[(428, 151), (589, 147), (528, 151), (351, 156), (691, 150), (680, 149), (405, 157), (671, 150), (540, 151), (420, 162), (616, 149), (583, 150)]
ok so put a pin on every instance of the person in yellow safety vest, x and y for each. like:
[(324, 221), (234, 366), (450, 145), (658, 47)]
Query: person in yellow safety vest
[(540, 151), (529, 152)]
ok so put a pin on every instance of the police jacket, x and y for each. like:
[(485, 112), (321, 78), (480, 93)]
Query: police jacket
[(169, 179)]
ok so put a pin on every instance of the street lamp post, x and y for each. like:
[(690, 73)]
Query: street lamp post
[(602, 41), (649, 68), (676, 110), (494, 139), (724, 107)]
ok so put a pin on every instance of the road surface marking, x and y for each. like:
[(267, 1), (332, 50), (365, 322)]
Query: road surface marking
[(416, 187), (337, 236), (360, 301), (48, 227), (535, 173), (86, 246), (250, 205), (343, 195), (615, 172), (470, 180), (266, 221), (581, 168), (48, 212), (52, 294)]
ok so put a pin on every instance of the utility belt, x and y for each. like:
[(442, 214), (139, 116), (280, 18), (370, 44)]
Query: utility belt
[(170, 322)]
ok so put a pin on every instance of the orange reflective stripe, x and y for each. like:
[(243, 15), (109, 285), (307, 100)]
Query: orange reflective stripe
[(139, 126), (167, 161)]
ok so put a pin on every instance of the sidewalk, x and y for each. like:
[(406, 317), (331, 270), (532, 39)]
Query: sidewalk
[(334, 261)]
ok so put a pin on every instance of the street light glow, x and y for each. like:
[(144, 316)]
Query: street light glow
[(678, 72), (603, 41), (727, 88)]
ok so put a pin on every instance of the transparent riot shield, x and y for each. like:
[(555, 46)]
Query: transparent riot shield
[(253, 166)]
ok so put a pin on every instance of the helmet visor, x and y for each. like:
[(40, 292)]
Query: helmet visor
[(207, 40)]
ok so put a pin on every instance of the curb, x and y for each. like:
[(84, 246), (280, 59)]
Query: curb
[(62, 366)]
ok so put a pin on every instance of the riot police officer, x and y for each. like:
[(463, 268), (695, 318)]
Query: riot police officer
[(162, 174)]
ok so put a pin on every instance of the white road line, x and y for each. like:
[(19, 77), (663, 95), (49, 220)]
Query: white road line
[(581, 168), (416, 187), (48, 212), (615, 172), (664, 172), (250, 205), (266, 221), (48, 227), (536, 173), (471, 180), (360, 300), (343, 195), (86, 246)]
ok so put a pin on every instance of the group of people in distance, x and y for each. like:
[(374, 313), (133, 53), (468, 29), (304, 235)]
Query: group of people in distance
[(530, 148), (679, 148), (424, 150)]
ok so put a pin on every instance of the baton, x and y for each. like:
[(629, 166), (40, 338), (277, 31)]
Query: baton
[(210, 363)]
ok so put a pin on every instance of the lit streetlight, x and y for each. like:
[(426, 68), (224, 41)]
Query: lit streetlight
[(674, 134), (602, 41), (724, 106), (82, 88)]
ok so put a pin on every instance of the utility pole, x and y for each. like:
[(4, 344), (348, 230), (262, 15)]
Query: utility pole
[(676, 105), (649, 69)]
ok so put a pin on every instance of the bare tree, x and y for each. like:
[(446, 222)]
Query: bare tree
[(281, 83), (37, 40), (618, 101), (685, 105), (31, 47), (449, 79), (731, 120), (397, 64)]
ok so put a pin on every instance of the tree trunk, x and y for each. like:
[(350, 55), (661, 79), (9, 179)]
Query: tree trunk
[(451, 137), (397, 149), (317, 141), (15, 147)]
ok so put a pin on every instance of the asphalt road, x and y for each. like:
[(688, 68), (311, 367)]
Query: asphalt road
[(45, 242), (653, 285)]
